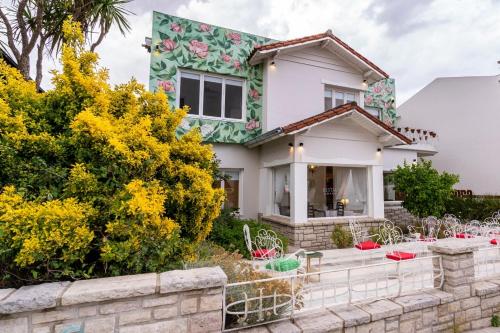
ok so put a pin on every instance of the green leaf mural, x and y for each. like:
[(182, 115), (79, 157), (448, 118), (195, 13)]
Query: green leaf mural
[(381, 95), (182, 43)]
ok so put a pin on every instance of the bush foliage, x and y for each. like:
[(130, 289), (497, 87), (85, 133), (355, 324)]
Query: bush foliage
[(341, 237), (425, 190), (473, 208), (95, 181), (227, 232)]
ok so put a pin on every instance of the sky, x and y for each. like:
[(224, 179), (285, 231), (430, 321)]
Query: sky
[(414, 41)]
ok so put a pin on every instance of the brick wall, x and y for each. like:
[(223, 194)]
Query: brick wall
[(175, 301)]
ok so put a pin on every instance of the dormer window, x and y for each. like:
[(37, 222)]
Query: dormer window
[(212, 96), (335, 97)]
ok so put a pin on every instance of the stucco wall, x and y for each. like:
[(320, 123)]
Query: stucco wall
[(464, 112), (394, 157), (234, 156)]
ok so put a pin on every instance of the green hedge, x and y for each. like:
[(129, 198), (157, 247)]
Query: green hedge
[(473, 208), (227, 231)]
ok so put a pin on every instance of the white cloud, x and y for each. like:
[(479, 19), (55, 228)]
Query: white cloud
[(413, 41)]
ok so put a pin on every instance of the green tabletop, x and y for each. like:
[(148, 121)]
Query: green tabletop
[(310, 254)]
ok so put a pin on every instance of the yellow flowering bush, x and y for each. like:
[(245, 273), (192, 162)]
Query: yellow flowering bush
[(94, 177)]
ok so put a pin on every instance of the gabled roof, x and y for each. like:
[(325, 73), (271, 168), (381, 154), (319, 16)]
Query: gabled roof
[(263, 51), (342, 110)]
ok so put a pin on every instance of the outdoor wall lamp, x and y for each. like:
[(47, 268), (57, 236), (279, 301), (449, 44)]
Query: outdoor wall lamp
[(290, 145), (301, 144), (379, 150)]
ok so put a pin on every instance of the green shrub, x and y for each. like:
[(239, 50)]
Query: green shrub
[(426, 191), (495, 321), (472, 208), (227, 231), (341, 237)]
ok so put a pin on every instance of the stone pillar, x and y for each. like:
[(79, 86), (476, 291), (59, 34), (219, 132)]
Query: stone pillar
[(298, 192), (458, 265)]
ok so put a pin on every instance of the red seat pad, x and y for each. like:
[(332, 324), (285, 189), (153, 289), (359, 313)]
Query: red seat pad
[(367, 245), (464, 236), (398, 255), (494, 241), (264, 253)]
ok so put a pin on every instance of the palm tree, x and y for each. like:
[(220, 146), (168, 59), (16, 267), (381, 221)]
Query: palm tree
[(30, 21)]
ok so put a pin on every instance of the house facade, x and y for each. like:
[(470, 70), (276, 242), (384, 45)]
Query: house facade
[(302, 127), (465, 113)]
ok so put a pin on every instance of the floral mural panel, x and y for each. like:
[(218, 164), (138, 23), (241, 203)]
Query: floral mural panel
[(382, 95), (181, 43)]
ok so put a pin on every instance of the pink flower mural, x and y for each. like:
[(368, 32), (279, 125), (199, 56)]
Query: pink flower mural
[(198, 48), (252, 124), (377, 89), (175, 27), (368, 100), (167, 86), (225, 57), (234, 37), (254, 94), (237, 65), (168, 45), (205, 27)]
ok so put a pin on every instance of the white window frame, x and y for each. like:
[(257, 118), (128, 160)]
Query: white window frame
[(224, 78), (335, 90), (240, 186)]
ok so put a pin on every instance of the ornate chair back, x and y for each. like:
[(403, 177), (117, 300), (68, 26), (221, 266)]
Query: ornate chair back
[(248, 239), (356, 231), (268, 243)]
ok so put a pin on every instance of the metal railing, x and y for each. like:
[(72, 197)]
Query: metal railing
[(487, 262), (259, 302)]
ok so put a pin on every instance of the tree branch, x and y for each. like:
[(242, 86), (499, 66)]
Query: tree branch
[(10, 35), (22, 24), (39, 61), (38, 25)]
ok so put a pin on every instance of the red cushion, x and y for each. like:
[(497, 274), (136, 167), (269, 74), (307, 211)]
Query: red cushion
[(367, 245), (464, 236), (494, 241), (398, 255), (264, 253)]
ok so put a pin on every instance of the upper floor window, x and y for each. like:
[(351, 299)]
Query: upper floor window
[(335, 97), (212, 96)]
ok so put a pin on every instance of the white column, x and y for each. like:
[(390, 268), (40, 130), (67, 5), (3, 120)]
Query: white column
[(266, 201), (298, 192), (378, 191)]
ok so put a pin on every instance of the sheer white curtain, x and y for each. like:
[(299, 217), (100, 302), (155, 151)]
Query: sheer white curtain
[(360, 186), (342, 176), (281, 187)]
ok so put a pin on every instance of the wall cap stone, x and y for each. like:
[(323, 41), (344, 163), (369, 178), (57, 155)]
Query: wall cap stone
[(319, 222), (452, 247), (352, 315), (36, 297), (482, 288), (192, 279), (111, 288), (417, 301)]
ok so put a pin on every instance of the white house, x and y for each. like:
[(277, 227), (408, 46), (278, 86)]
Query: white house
[(465, 111), (303, 126)]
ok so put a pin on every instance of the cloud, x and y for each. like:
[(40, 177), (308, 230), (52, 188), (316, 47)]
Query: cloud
[(414, 41)]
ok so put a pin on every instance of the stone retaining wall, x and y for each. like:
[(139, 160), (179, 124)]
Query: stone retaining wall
[(315, 234), (175, 301), (396, 213)]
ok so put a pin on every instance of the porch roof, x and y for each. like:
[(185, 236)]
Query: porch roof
[(326, 40), (339, 111)]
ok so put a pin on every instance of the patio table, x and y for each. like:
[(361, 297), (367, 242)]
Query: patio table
[(310, 255)]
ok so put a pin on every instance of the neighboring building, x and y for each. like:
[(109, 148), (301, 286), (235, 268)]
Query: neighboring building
[(465, 111), (303, 126)]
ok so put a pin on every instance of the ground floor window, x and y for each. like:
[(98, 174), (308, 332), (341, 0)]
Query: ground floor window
[(390, 194), (336, 191), (281, 190), (231, 185)]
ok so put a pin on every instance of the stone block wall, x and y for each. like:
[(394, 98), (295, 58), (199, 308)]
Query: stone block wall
[(315, 235), (393, 211), (175, 301)]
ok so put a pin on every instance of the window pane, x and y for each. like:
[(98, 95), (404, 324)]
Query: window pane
[(212, 98), (281, 189), (373, 111), (231, 189), (190, 92), (328, 103), (339, 98), (233, 101), (349, 97), (328, 93)]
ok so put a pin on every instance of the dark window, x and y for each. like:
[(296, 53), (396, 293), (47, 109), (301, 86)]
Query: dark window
[(212, 97), (233, 103), (190, 92)]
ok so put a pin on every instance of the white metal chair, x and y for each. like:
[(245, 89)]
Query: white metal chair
[(362, 240), (392, 237), (265, 246)]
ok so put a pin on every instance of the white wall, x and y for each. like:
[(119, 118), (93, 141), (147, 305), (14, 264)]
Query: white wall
[(235, 156), (294, 88), (465, 113), (394, 157)]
